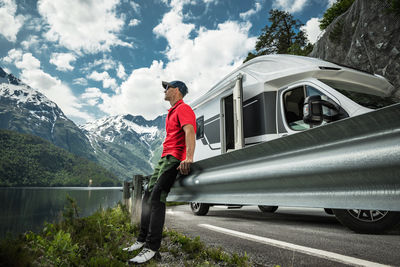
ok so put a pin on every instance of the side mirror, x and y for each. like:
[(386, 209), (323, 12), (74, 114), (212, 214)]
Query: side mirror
[(312, 110)]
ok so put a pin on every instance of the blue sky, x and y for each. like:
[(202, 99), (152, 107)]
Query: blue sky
[(96, 58)]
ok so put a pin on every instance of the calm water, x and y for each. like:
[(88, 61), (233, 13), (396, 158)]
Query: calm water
[(23, 209)]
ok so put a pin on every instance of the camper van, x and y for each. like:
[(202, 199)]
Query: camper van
[(274, 96)]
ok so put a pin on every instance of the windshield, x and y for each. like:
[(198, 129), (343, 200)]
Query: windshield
[(365, 99)]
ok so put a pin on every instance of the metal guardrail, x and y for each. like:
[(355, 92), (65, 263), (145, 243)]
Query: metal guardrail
[(352, 163)]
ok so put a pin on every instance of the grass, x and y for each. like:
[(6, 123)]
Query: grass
[(98, 240)]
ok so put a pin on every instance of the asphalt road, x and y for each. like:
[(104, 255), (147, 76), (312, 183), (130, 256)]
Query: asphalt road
[(288, 237)]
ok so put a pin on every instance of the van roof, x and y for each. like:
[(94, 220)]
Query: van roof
[(280, 70)]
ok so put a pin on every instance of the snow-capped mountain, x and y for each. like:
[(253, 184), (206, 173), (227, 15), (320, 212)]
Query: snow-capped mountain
[(131, 140), (122, 125), (124, 144), (26, 110)]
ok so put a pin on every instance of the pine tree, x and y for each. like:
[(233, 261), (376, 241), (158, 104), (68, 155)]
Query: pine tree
[(283, 36)]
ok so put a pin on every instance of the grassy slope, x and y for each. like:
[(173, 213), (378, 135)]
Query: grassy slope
[(27, 160), (98, 240)]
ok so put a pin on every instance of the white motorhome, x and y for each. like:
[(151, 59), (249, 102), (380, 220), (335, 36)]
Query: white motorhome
[(272, 90), (264, 99)]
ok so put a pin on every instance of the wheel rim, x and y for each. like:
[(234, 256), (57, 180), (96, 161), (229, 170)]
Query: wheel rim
[(368, 215), (195, 206)]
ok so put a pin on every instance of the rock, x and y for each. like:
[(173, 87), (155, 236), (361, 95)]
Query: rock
[(366, 37)]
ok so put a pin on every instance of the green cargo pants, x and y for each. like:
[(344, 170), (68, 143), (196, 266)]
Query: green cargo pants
[(164, 166), (153, 204)]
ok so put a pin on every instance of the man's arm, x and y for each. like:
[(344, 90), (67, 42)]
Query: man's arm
[(190, 141)]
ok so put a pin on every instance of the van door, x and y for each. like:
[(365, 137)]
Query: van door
[(227, 124), (291, 107), (232, 136)]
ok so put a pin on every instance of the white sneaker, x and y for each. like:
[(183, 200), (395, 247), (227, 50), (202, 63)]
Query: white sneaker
[(137, 245), (145, 255)]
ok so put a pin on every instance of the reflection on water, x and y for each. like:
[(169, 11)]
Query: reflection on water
[(23, 209)]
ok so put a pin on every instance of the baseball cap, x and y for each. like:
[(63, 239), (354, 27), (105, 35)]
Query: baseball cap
[(176, 84)]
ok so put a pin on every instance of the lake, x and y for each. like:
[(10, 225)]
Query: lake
[(27, 208)]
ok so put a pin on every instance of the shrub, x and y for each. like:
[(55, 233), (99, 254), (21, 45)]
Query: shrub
[(334, 11)]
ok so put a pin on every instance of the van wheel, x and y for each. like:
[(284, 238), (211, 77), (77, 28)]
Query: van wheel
[(199, 209), (328, 211), (368, 221), (269, 209)]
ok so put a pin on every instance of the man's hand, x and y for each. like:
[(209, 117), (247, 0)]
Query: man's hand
[(184, 167)]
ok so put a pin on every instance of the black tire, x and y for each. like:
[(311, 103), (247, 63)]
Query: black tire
[(328, 211), (269, 209), (368, 221), (199, 209)]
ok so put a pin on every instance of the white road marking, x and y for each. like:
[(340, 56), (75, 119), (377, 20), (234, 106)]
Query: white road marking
[(174, 212), (285, 245)]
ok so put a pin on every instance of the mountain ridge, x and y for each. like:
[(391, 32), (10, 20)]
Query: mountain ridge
[(124, 144)]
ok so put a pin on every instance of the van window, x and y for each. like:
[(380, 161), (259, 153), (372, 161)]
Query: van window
[(229, 123), (200, 127), (362, 96), (293, 101)]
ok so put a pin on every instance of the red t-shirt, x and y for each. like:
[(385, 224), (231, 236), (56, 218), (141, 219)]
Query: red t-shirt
[(178, 116)]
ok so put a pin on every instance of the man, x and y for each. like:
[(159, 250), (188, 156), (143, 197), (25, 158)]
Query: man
[(178, 150)]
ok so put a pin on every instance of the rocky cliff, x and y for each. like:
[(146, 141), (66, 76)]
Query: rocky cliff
[(367, 37)]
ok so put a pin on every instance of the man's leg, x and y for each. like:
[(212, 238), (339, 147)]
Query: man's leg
[(145, 217), (158, 198), (146, 203)]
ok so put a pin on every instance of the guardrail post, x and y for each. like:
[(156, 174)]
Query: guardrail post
[(126, 194), (137, 199)]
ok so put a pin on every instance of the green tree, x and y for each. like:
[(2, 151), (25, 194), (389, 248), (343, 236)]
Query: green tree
[(334, 11), (27, 160), (395, 6), (282, 36)]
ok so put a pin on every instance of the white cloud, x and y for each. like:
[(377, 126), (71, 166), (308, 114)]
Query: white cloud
[(31, 41), (140, 94), (251, 12), (174, 30), (63, 61), (9, 22), (99, 76), (312, 29), (34, 24), (135, 6), (105, 63), (48, 85), (108, 82), (331, 2), (200, 62), (291, 6), (92, 96), (13, 55), (90, 26), (28, 62), (80, 81), (121, 71), (134, 22)]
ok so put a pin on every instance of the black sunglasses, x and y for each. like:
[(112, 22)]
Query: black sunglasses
[(167, 87)]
